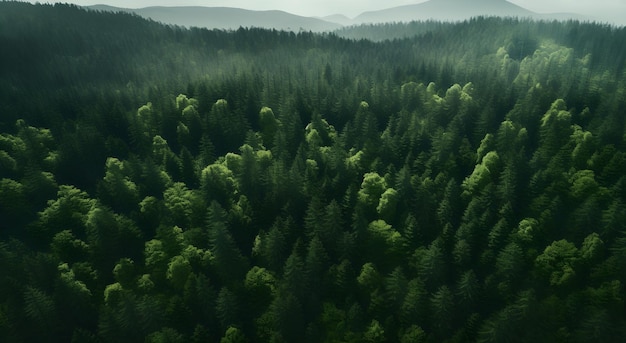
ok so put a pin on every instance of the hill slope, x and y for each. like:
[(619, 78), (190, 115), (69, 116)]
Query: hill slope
[(455, 10), (227, 18)]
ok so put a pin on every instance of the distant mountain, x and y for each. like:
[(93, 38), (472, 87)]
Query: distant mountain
[(339, 19), (454, 10), (227, 18), (232, 18)]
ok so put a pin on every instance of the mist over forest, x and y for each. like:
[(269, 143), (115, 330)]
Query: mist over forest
[(424, 181), (230, 18)]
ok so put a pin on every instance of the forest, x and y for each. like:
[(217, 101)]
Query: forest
[(416, 182)]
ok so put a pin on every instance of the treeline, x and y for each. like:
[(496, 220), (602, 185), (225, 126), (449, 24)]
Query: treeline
[(159, 184)]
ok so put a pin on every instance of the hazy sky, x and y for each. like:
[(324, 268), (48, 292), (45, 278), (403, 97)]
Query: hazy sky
[(603, 9)]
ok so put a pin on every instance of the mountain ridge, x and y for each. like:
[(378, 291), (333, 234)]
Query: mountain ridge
[(228, 18), (444, 9), (231, 18)]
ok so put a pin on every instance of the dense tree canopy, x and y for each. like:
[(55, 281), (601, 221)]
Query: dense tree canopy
[(420, 182)]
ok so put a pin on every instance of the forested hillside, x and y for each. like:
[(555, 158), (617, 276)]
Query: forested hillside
[(159, 184), (226, 18)]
